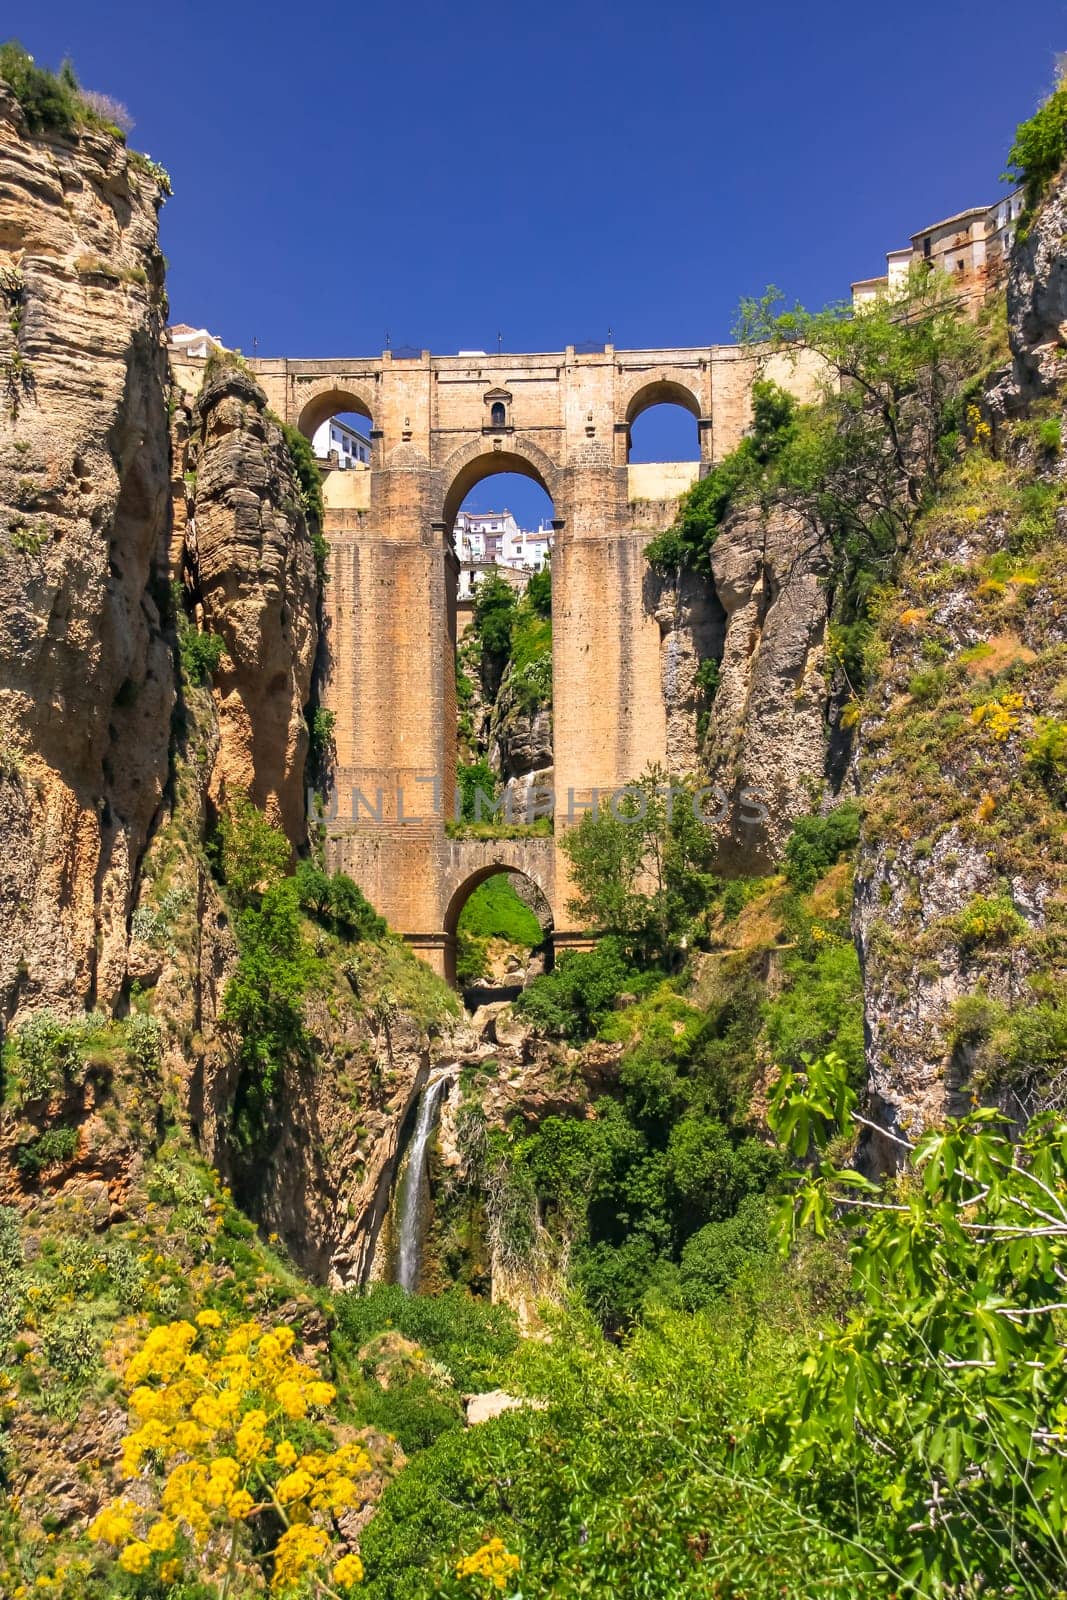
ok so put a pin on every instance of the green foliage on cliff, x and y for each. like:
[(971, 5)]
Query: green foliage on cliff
[(309, 478), (817, 842), (495, 911), (1040, 147), (704, 507)]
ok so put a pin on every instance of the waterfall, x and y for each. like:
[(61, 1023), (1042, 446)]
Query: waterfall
[(409, 1193)]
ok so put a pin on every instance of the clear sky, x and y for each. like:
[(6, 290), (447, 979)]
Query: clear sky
[(447, 172)]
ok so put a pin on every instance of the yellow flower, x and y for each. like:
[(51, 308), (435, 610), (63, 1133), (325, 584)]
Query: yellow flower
[(170, 1571), (136, 1557), (321, 1394), (290, 1396), (114, 1524), (208, 1319), (347, 1571), (284, 1454), (296, 1550), (294, 1486), (493, 1562), (161, 1535)]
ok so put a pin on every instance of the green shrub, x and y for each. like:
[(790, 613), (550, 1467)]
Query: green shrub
[(495, 911), (309, 478), (1040, 147), (70, 1347), (472, 959), (49, 100), (48, 1149), (817, 842), (477, 785), (468, 1336), (715, 1258), (47, 1052), (1046, 753), (321, 725), (571, 1001), (988, 920), (337, 902), (415, 1411), (200, 653), (928, 685), (819, 1006), (251, 854), (1050, 436), (144, 1039), (263, 1000)]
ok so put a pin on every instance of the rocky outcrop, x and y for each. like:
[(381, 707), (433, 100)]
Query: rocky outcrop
[(86, 673), (1037, 299), (959, 909), (520, 748), (766, 743), (251, 568), (692, 631)]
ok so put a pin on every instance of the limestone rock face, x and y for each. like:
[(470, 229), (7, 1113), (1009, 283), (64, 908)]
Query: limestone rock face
[(520, 747), (766, 744), (953, 813), (252, 569), (86, 674), (692, 630), (1037, 298)]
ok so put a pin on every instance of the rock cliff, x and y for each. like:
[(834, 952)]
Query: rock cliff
[(756, 726), (250, 567), (86, 673), (959, 908)]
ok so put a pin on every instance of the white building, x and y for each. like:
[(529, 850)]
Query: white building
[(495, 537), (340, 439), (187, 341), (972, 247), (492, 542)]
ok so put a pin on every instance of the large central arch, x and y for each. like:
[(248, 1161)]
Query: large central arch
[(473, 463)]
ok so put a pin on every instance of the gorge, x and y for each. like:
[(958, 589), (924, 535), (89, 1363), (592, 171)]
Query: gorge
[(741, 1217)]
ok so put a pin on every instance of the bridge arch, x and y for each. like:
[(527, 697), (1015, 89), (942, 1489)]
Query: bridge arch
[(467, 467), (662, 392), (331, 402), (474, 862)]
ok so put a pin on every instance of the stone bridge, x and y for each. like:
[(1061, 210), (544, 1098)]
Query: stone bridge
[(439, 425)]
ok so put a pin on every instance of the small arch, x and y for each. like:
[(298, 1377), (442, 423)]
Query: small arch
[(662, 392), (332, 403), (498, 414), (540, 910), (665, 412)]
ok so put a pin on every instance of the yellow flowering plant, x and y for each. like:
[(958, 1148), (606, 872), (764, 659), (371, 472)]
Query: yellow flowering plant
[(999, 718), (221, 1421), (489, 1570)]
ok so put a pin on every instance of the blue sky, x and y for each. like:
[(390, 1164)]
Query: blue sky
[(445, 173)]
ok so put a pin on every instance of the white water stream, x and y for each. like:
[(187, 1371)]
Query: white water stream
[(410, 1193)]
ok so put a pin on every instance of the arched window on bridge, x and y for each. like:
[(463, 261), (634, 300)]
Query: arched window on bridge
[(339, 426), (664, 431), (499, 414)]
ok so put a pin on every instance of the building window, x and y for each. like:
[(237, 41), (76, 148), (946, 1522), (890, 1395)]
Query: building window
[(498, 415)]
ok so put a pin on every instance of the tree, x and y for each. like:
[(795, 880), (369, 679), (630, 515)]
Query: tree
[(860, 464), (943, 1401), (495, 604), (642, 867)]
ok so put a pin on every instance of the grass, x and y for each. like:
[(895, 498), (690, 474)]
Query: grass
[(494, 911)]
